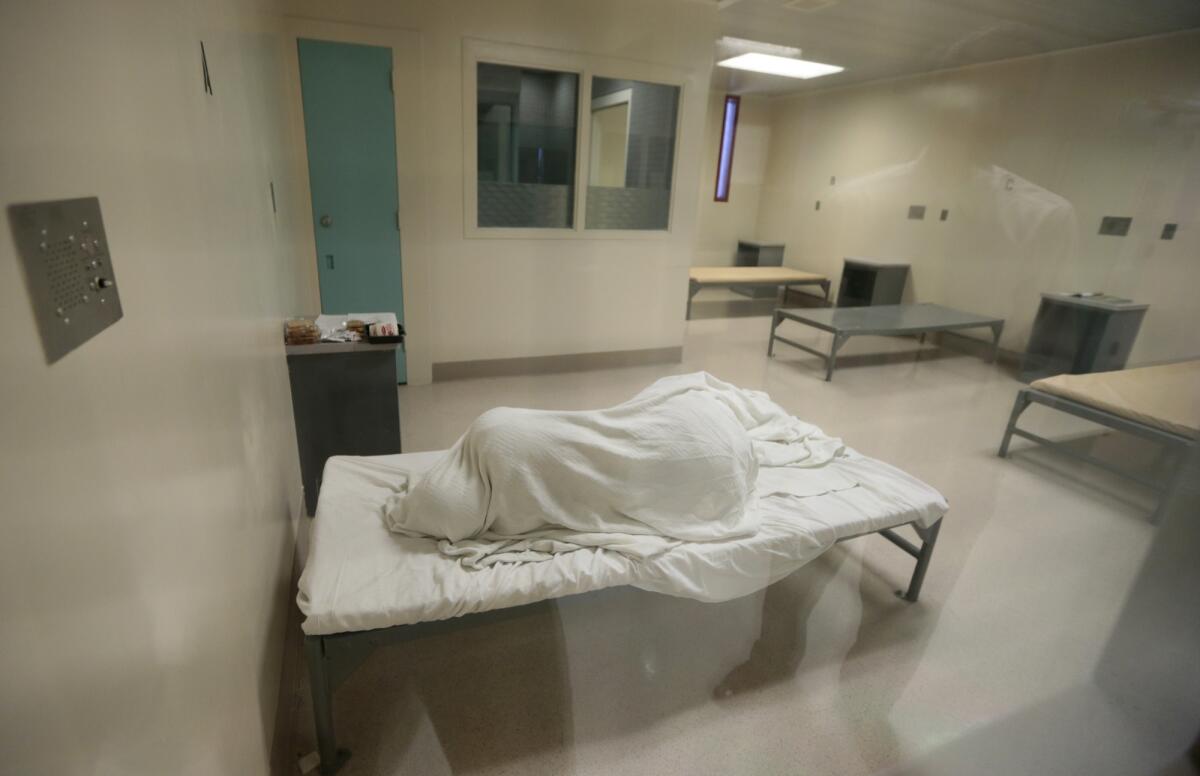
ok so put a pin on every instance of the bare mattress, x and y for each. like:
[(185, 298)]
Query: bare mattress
[(361, 576), (764, 275), (1164, 397)]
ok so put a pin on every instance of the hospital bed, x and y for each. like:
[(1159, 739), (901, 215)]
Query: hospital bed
[(364, 586), (1158, 403), (750, 277)]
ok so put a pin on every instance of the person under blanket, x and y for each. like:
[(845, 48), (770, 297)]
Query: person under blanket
[(683, 461)]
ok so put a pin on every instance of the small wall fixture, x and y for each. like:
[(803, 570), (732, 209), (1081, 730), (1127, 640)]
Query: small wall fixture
[(1115, 226)]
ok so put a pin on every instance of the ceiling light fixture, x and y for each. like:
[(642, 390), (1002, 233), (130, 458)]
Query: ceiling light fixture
[(731, 47), (775, 65)]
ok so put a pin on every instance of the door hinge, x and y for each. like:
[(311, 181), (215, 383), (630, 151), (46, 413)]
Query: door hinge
[(392, 81), (397, 220)]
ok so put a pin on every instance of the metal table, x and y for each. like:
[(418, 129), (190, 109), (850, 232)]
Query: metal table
[(890, 319)]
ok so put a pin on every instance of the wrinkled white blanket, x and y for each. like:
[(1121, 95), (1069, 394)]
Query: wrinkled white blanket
[(684, 460)]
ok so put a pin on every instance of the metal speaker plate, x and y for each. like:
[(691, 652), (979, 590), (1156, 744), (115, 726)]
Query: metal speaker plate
[(68, 271)]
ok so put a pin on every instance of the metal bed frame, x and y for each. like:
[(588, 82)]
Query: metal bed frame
[(332, 658), (841, 333), (1175, 443)]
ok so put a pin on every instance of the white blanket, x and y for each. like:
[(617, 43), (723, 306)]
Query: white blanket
[(359, 575), (685, 460)]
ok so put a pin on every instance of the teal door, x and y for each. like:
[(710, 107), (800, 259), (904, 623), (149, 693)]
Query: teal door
[(351, 131)]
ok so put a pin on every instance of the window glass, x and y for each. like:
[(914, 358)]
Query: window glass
[(526, 146), (725, 151), (632, 154)]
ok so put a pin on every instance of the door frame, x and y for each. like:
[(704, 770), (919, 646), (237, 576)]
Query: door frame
[(411, 175)]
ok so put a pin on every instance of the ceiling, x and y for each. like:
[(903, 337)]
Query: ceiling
[(876, 39)]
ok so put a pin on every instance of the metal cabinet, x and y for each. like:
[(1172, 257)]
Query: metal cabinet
[(344, 402), (1077, 334), (867, 283), (756, 254)]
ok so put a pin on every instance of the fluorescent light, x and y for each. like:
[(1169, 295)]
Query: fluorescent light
[(786, 66)]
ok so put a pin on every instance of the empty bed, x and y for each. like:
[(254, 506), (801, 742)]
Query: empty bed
[(1159, 403), (700, 278)]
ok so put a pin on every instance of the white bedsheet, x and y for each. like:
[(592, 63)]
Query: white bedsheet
[(360, 576), (680, 461)]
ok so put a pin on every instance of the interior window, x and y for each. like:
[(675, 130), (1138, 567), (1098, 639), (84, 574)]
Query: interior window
[(632, 154), (526, 146)]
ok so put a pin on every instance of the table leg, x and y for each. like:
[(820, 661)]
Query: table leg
[(776, 319)]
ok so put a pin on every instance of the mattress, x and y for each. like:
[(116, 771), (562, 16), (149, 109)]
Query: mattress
[(1164, 397), (766, 275), (360, 576)]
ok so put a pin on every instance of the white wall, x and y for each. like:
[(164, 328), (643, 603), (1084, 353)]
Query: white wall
[(505, 298), (1027, 155), (150, 478), (721, 224)]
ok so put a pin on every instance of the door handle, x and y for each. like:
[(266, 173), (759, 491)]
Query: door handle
[(329, 260), (326, 221)]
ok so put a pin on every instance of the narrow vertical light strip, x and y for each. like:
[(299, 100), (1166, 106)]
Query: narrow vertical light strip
[(725, 152)]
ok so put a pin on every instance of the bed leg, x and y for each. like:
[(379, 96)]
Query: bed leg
[(776, 319), (1019, 405), (997, 330), (831, 361), (332, 758), (1168, 493), (928, 539)]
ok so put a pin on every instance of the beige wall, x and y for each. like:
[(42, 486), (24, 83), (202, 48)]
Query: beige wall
[(150, 478), (1027, 155), (506, 298), (721, 224)]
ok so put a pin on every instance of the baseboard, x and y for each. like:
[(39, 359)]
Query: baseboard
[(539, 365)]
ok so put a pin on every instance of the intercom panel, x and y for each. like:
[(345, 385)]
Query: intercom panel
[(68, 271)]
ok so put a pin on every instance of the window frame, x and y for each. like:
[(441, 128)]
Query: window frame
[(585, 67)]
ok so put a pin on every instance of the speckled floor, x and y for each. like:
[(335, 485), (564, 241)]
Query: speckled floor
[(1028, 653)]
